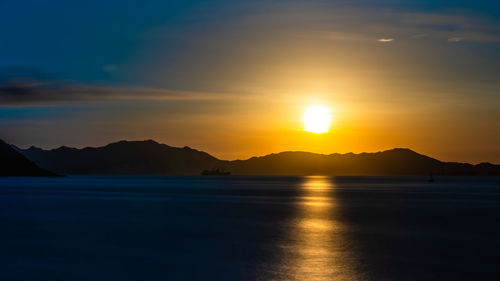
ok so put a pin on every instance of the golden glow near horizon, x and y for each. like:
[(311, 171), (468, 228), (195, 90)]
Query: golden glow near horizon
[(317, 119)]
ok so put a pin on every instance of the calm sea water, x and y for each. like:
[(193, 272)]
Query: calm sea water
[(249, 228)]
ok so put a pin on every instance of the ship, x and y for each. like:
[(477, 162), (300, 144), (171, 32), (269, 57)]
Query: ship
[(216, 172)]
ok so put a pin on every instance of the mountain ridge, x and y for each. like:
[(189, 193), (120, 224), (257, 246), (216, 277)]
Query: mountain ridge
[(151, 157), (122, 157)]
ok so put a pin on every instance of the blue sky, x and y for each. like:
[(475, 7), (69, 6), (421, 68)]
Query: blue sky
[(91, 41)]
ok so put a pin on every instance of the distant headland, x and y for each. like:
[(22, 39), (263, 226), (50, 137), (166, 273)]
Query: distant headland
[(13, 163), (150, 157)]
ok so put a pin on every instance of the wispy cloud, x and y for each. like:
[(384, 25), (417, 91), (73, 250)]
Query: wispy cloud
[(448, 25), (24, 92), (385, 40)]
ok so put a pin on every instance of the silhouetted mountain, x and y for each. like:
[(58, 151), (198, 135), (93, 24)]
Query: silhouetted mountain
[(13, 163), (399, 161), (124, 157), (149, 157)]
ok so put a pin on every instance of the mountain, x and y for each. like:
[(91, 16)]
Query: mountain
[(150, 157), (13, 163), (398, 161), (123, 157)]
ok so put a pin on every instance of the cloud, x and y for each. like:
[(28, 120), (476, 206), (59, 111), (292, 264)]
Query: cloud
[(28, 92), (455, 39), (448, 25), (385, 40)]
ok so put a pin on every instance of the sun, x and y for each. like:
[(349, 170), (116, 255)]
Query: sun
[(317, 119)]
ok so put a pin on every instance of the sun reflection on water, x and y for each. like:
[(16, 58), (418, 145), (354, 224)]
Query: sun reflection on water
[(316, 248)]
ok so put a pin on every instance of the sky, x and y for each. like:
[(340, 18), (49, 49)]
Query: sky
[(233, 78)]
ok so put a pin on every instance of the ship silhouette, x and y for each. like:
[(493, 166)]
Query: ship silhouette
[(215, 172)]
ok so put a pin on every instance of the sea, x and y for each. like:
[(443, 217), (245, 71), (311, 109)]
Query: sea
[(104, 227)]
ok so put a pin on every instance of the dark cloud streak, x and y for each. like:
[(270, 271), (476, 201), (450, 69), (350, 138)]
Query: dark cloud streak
[(22, 91)]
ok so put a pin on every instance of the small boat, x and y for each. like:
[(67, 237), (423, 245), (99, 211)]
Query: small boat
[(216, 172)]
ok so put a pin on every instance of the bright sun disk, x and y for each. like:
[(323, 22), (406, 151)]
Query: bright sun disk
[(317, 119)]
